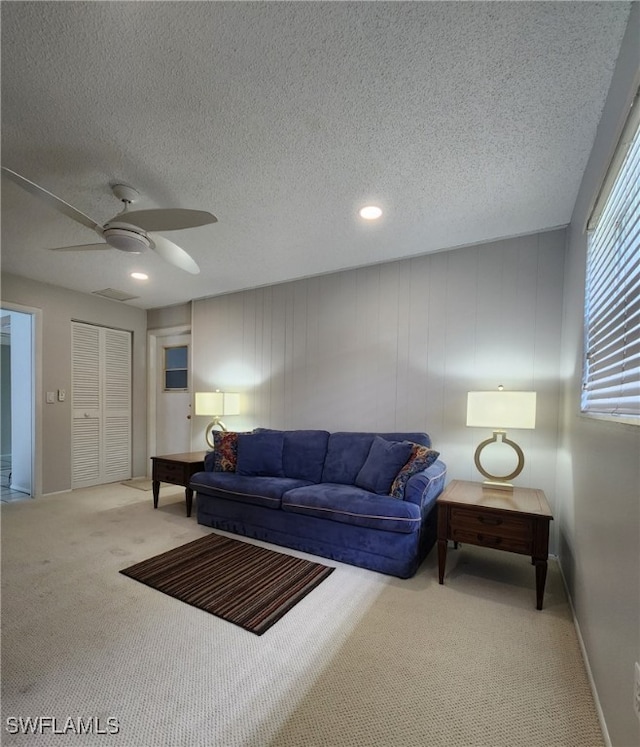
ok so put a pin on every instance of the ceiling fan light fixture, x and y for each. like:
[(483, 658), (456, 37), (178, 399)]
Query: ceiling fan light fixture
[(126, 240)]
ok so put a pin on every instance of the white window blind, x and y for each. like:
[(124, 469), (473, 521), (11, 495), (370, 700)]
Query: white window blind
[(611, 383)]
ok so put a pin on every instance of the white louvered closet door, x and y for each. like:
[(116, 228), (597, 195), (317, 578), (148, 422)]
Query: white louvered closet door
[(101, 404)]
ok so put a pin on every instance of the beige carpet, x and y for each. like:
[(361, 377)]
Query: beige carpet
[(139, 483), (365, 660)]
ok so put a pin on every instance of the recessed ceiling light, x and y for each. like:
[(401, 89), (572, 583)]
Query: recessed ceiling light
[(370, 212), (139, 276)]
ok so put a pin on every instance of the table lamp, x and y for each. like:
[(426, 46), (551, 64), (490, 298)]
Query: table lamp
[(216, 404), (501, 410)]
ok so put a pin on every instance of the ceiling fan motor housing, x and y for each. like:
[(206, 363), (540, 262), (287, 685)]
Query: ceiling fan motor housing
[(126, 239)]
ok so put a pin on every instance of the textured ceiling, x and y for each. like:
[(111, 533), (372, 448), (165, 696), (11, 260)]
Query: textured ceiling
[(465, 122)]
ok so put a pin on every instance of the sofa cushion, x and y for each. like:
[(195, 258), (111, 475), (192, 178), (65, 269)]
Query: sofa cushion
[(258, 491), (303, 453), (421, 458), (347, 452), (385, 460), (224, 456), (349, 504), (260, 454)]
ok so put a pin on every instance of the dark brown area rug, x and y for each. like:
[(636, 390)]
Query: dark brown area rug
[(247, 585)]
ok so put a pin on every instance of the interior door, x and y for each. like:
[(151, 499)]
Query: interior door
[(101, 405), (173, 394)]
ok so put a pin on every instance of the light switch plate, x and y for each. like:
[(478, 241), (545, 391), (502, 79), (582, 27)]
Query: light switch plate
[(51, 398), (62, 395)]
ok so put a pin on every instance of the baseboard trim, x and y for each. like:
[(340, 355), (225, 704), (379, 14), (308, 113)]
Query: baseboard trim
[(585, 657)]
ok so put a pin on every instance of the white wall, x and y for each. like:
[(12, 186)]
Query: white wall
[(396, 346), (599, 462), (59, 306), (169, 316)]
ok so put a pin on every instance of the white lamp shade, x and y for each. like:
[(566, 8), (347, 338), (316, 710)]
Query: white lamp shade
[(231, 403), (501, 409), (209, 403), (217, 403)]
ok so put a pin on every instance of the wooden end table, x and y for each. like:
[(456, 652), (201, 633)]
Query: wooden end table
[(515, 521), (177, 469)]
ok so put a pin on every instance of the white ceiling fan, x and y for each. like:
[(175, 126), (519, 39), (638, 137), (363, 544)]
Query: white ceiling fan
[(129, 230)]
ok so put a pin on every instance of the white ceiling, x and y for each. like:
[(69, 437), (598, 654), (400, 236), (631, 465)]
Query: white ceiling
[(465, 122)]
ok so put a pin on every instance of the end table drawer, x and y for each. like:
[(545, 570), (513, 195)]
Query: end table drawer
[(168, 472), (493, 539), (512, 533)]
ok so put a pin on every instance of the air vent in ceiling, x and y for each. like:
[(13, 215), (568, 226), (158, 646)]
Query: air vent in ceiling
[(115, 295)]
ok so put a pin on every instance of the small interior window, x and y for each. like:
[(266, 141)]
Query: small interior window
[(176, 368)]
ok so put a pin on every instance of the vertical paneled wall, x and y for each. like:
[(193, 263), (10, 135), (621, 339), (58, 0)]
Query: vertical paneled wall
[(396, 346)]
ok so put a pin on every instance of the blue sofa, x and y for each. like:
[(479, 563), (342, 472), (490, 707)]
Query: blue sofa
[(327, 494)]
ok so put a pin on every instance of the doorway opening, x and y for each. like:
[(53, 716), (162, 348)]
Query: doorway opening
[(17, 411)]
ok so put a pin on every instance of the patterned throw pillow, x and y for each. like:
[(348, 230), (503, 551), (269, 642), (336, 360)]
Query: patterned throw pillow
[(225, 451), (421, 458)]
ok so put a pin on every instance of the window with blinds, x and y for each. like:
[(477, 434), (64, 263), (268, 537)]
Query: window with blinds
[(611, 382)]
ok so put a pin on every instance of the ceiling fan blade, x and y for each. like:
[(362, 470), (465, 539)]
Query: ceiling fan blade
[(173, 254), (79, 248), (167, 219), (55, 202)]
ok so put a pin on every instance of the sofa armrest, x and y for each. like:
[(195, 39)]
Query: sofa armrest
[(424, 487)]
